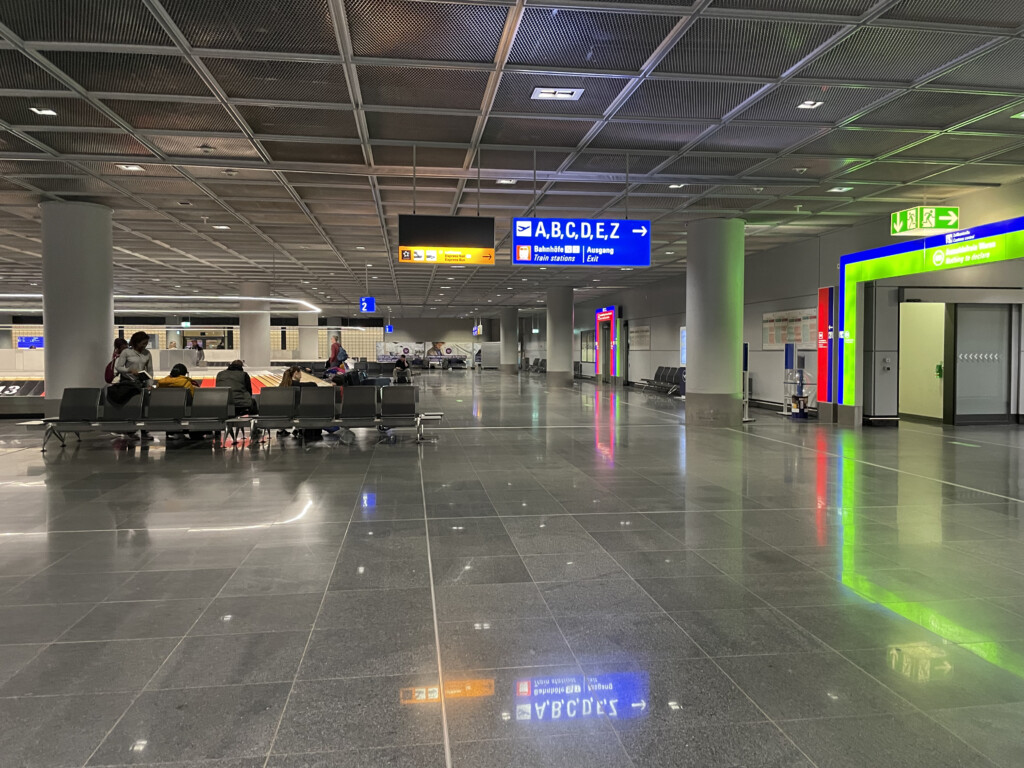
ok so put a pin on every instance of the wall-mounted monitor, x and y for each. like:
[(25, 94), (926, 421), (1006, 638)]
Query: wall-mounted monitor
[(438, 240)]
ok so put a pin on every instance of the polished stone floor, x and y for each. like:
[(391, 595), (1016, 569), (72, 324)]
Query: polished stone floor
[(564, 578)]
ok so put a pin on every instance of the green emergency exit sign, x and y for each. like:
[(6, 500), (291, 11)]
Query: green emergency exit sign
[(924, 220)]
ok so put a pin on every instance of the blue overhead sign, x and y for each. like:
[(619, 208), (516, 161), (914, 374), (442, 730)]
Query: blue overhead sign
[(367, 304), (581, 242), (389, 329)]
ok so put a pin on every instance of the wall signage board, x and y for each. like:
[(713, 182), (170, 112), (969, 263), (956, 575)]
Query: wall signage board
[(438, 240), (639, 337), (790, 326), (30, 342), (581, 242), (924, 220)]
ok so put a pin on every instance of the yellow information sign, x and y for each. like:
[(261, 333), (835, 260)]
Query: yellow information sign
[(434, 255)]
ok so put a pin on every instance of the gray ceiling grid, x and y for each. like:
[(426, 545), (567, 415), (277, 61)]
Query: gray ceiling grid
[(293, 123)]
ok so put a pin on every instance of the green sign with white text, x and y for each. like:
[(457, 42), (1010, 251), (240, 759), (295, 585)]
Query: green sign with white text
[(924, 220)]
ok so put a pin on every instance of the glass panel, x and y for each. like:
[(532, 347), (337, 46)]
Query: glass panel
[(982, 359)]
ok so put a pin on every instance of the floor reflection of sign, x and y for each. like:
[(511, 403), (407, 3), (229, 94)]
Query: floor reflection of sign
[(920, 662), (618, 696), (21, 387), (453, 689)]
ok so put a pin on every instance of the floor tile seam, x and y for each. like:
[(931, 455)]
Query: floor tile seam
[(309, 637), (139, 694), (907, 425), (877, 466), (913, 707), (554, 619), (721, 670), (445, 732)]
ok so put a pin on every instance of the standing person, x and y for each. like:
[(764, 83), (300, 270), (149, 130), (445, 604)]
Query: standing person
[(338, 354), (135, 364), (237, 380), (136, 360), (109, 373)]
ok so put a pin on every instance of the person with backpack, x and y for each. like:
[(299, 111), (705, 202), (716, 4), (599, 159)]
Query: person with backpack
[(109, 374), (338, 354)]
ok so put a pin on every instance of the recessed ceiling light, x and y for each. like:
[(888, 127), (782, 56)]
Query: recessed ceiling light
[(360, 248), (505, 181), (206, 149), (221, 226), (841, 189), (626, 269), (810, 104), (560, 94), (373, 277), (369, 265), (44, 111), (131, 167), (676, 186), (229, 172), (670, 253), (543, 268)]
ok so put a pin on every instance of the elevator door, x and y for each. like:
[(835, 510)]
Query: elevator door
[(606, 352), (983, 361)]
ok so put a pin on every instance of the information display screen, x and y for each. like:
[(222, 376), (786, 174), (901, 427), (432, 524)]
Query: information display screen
[(581, 242), (30, 342), (434, 240)]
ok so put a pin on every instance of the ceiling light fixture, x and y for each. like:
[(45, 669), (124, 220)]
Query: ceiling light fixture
[(221, 226), (44, 111), (810, 104), (676, 186), (506, 181), (561, 94), (841, 189), (131, 167), (360, 248), (1018, 116), (185, 202)]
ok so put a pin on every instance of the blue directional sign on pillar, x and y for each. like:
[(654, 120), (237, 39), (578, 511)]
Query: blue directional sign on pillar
[(367, 304), (581, 242)]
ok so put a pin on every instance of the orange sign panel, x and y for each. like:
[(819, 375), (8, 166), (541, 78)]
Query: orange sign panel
[(453, 689), (433, 256)]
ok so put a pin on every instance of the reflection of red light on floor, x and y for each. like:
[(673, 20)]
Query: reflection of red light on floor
[(821, 488)]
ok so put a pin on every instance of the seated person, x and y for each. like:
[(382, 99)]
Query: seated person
[(179, 378), (292, 377), (401, 371), (237, 380)]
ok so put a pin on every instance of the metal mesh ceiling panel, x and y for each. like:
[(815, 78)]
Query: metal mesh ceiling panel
[(839, 103), (980, 13), (860, 143), (295, 121), (803, 167), (178, 117), (851, 8), (599, 162), (897, 172), (748, 138), (1003, 121), (644, 135), (70, 112), (307, 152), (423, 30), (959, 147), (433, 157), (296, 26), (17, 71), (768, 48), (205, 146), (92, 143), (588, 40), (516, 88), (539, 133), (422, 87), (281, 80), (83, 21), (521, 161), (868, 54), (703, 165), (682, 99), (1000, 68), (130, 73), (417, 127), (932, 109)]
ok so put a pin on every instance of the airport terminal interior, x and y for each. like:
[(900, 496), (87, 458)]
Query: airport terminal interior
[(511, 383)]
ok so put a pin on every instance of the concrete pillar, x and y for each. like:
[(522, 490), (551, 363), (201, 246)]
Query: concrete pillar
[(559, 343), (309, 341), (78, 296), (714, 323), (254, 326), (509, 340)]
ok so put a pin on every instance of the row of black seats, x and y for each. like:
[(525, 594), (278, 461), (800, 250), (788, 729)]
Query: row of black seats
[(85, 409), (668, 380)]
